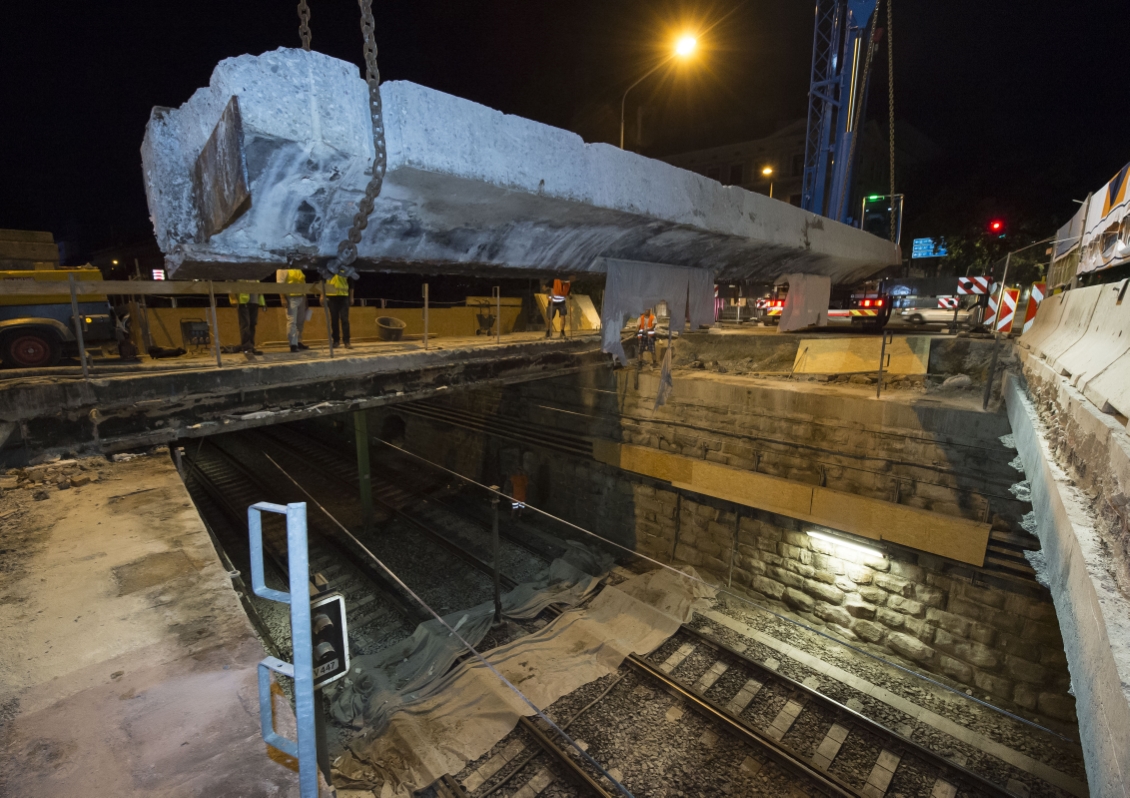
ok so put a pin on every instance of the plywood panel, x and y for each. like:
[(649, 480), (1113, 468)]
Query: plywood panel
[(844, 355), (774, 494), (946, 535)]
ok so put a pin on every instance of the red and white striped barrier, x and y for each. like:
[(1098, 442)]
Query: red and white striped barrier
[(1034, 300), (974, 285), (947, 302), (1008, 312)]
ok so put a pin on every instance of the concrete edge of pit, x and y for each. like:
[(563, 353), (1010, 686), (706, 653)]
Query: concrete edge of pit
[(1094, 617)]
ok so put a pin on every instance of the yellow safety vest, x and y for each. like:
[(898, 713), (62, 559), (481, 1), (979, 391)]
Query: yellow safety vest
[(293, 276), (243, 299), (337, 286)]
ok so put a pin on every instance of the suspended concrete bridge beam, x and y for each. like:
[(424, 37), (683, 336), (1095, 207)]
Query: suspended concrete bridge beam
[(266, 165)]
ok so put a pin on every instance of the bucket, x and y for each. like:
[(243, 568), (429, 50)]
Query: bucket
[(390, 329)]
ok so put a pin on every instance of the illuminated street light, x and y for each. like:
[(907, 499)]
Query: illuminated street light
[(768, 172), (684, 48)]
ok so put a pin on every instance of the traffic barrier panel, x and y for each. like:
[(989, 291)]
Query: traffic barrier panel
[(1107, 337), (1035, 297), (1045, 323), (1109, 389), (1079, 306)]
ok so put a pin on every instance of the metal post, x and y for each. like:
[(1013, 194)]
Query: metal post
[(734, 546), (302, 640), (329, 325), (883, 355), (1000, 295), (678, 523), (364, 475), (425, 316), (494, 550), (324, 763), (992, 370), (213, 325), (78, 327), (498, 314)]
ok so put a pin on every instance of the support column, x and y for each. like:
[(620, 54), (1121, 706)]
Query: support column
[(364, 475)]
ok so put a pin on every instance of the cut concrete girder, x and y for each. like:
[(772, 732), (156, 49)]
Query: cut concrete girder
[(468, 189)]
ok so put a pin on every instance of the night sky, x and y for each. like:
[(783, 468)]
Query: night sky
[(1027, 102)]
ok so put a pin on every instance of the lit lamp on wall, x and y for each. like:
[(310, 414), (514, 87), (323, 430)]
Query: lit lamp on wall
[(767, 171)]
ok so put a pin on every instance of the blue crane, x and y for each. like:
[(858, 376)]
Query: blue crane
[(837, 96)]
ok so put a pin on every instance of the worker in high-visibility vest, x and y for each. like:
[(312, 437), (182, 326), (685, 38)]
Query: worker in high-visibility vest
[(295, 307), (518, 485), (337, 299), (558, 301), (247, 309), (645, 335)]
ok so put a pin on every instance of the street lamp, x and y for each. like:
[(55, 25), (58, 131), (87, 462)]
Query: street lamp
[(768, 172), (684, 48)]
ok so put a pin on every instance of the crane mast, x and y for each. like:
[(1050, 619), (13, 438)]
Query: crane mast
[(836, 98)]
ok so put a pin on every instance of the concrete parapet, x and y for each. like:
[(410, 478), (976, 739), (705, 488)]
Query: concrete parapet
[(466, 187), (1094, 615)]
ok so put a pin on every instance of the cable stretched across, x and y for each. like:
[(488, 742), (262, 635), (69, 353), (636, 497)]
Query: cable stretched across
[(744, 600), (395, 578)]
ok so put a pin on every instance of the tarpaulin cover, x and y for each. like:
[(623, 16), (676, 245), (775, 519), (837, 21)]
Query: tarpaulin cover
[(807, 302), (379, 684), (632, 287), (469, 710)]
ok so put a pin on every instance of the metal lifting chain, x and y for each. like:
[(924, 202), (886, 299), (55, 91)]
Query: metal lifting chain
[(891, 107), (347, 249), (304, 24)]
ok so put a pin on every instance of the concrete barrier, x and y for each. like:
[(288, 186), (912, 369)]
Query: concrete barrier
[(1106, 340), (1110, 389), (1078, 308), (1046, 323)]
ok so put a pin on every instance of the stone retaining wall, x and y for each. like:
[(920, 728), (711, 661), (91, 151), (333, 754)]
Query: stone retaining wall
[(1003, 646)]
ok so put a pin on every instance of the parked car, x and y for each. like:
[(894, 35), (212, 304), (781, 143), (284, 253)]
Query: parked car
[(936, 315)]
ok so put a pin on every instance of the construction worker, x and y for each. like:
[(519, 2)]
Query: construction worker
[(337, 299), (518, 484), (645, 335), (558, 301), (247, 308), (295, 307)]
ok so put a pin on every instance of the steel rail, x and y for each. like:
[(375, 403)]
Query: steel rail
[(574, 767), (386, 588), (781, 754), (451, 546), (946, 766)]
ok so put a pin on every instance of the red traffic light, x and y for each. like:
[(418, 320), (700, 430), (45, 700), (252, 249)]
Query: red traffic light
[(996, 226)]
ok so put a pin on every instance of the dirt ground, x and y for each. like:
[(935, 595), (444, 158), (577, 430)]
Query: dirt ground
[(127, 666)]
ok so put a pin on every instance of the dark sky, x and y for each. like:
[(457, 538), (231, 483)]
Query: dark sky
[(1026, 101)]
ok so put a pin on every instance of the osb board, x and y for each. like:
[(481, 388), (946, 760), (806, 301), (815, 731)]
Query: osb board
[(945, 535), (748, 487), (848, 355)]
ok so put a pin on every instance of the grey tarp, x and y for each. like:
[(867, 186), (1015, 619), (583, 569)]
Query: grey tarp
[(807, 302), (379, 684), (632, 287)]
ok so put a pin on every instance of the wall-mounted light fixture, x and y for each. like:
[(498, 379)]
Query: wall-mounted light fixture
[(847, 544)]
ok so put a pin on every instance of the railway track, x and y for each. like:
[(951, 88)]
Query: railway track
[(815, 743)]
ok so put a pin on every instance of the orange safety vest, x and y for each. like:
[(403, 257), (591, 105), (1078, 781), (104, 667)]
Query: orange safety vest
[(518, 483), (647, 322), (560, 290)]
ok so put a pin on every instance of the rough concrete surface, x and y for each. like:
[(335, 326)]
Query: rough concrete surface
[(127, 666), (467, 187), (1094, 616)]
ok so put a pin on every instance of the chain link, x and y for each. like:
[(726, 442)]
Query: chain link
[(891, 108), (304, 24), (347, 249)]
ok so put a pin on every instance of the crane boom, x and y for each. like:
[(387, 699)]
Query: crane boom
[(837, 93)]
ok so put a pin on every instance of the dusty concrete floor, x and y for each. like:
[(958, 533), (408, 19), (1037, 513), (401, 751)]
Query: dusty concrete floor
[(127, 666)]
